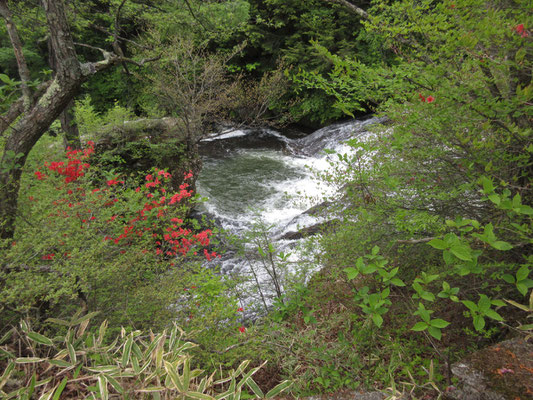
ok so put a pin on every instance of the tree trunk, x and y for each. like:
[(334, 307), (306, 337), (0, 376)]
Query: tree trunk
[(19, 55), (71, 138), (36, 120), (25, 134), (71, 134)]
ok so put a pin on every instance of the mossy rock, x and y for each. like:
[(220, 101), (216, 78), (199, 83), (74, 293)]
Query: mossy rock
[(500, 372), (134, 147)]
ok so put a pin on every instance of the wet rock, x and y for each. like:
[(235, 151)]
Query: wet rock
[(308, 231), (500, 372), (314, 143)]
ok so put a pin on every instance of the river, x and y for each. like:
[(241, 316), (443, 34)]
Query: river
[(260, 184)]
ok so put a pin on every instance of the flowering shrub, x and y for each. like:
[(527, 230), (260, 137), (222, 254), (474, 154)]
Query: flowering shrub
[(106, 244)]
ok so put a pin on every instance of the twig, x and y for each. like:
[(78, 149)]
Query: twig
[(415, 241)]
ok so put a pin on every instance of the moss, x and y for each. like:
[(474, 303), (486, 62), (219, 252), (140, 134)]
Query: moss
[(508, 367)]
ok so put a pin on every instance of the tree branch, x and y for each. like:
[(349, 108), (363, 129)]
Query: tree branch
[(416, 241), (17, 108), (122, 38), (116, 46), (351, 7)]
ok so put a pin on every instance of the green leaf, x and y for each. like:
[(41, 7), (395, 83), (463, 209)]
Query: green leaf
[(522, 273), (199, 396), (439, 323), (6, 336), (448, 257), (488, 186), (28, 360), (494, 315), (7, 373), (435, 332), (255, 388), (495, 198), (438, 244), (427, 296), (351, 273), (85, 318), (461, 251), (470, 305), (115, 384), (60, 389), (377, 319), (508, 278), (397, 282), (420, 326), (479, 322), (483, 303), (521, 288), (500, 245), (7, 80), (72, 353), (36, 337), (127, 351), (60, 363), (278, 389)]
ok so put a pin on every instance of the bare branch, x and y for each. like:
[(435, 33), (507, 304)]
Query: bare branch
[(416, 241), (351, 7), (122, 38), (193, 14)]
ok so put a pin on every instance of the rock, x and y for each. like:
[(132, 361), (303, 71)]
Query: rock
[(500, 372), (352, 395), (308, 231)]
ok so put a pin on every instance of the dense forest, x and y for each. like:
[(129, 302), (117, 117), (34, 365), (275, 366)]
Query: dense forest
[(111, 278)]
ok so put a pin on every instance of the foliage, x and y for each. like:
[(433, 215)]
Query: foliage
[(83, 364), (86, 227), (459, 109)]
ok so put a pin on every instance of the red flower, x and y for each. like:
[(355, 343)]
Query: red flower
[(48, 256), (240, 309), (39, 175), (521, 30), (421, 97), (113, 182), (430, 99), (242, 329)]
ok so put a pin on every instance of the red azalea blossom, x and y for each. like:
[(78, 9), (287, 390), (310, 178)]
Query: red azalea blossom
[(422, 98), (240, 309), (48, 256), (521, 30), (39, 175), (430, 99), (113, 182), (242, 329)]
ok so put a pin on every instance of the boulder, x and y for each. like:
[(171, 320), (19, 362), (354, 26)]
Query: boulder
[(500, 372)]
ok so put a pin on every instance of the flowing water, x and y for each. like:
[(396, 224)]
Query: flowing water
[(260, 177)]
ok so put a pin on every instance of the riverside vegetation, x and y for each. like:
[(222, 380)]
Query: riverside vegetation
[(105, 292)]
